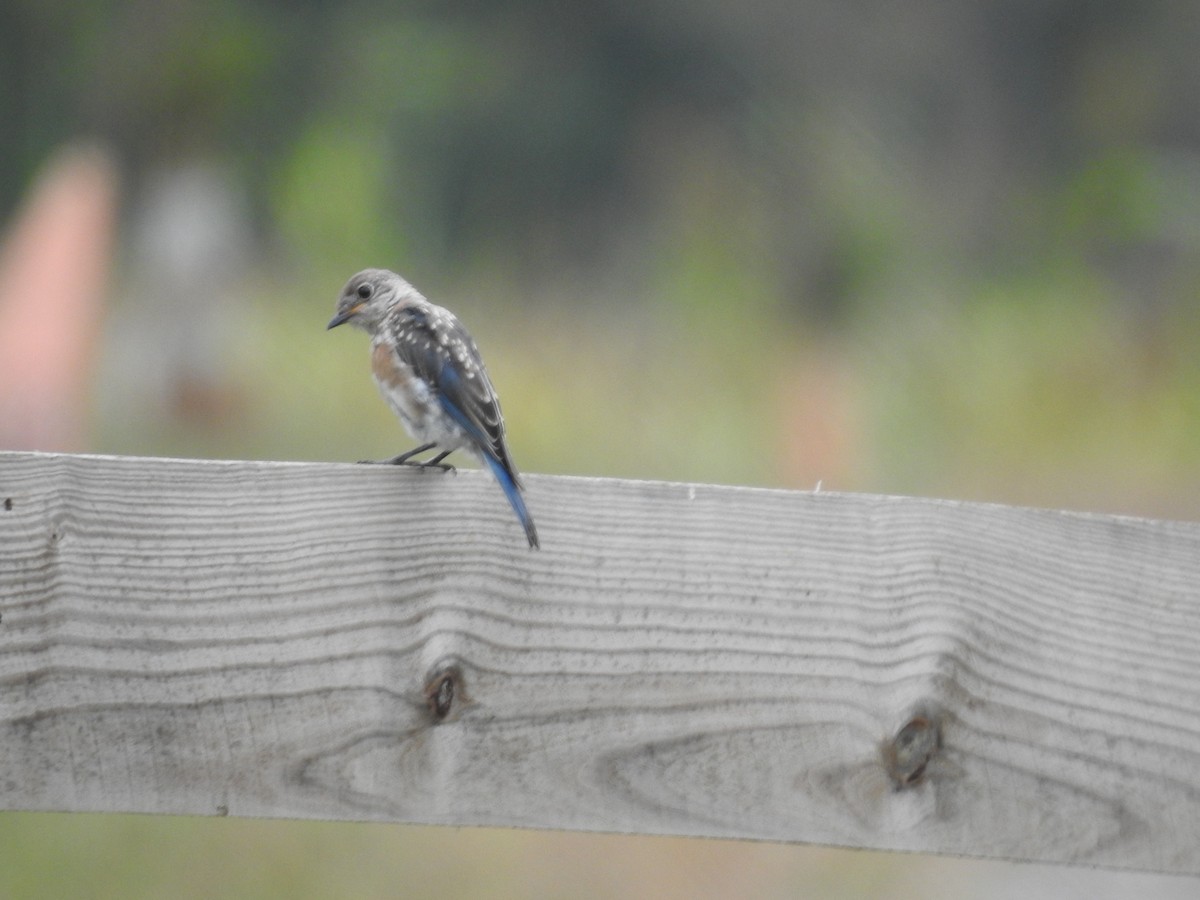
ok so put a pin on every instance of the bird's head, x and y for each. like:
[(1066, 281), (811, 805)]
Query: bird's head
[(369, 296)]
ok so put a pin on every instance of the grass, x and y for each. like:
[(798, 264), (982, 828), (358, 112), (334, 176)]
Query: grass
[(1046, 391)]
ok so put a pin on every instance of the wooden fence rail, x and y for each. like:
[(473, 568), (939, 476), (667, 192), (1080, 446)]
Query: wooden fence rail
[(353, 642)]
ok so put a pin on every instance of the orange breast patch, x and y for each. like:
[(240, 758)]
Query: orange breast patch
[(388, 370)]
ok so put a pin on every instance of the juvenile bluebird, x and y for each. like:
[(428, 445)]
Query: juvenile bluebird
[(431, 375)]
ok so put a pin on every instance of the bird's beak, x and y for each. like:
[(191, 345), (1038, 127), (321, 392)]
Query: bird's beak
[(343, 317)]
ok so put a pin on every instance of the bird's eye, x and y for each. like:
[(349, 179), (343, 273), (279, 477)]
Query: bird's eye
[(364, 291)]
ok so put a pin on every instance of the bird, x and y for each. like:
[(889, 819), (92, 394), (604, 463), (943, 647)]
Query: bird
[(430, 373)]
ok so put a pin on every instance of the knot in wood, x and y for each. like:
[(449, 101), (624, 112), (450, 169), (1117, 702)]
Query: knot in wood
[(908, 753), (443, 685)]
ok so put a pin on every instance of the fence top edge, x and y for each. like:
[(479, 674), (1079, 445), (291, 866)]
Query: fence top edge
[(818, 494)]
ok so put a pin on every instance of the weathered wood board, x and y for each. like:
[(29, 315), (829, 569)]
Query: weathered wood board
[(360, 642)]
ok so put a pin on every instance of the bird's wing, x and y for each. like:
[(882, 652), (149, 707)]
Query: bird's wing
[(435, 345)]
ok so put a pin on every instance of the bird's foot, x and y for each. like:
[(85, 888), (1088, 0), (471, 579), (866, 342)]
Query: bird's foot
[(406, 459), (436, 463), (445, 467)]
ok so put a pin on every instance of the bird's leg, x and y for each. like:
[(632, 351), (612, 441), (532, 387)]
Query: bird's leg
[(436, 462), (406, 459), (399, 460)]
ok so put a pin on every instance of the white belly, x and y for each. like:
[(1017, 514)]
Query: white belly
[(413, 401)]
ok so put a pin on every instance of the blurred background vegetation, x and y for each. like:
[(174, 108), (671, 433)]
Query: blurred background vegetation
[(932, 247)]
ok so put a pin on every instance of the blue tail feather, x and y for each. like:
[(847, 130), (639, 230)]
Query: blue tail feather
[(503, 475), (513, 493)]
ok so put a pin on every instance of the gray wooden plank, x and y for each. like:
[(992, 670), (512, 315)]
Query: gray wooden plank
[(344, 642)]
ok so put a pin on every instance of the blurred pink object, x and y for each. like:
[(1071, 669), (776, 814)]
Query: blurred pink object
[(54, 266)]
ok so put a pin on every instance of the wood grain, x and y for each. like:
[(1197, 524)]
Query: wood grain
[(355, 642)]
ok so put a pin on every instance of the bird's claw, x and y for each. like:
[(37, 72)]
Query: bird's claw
[(415, 463)]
